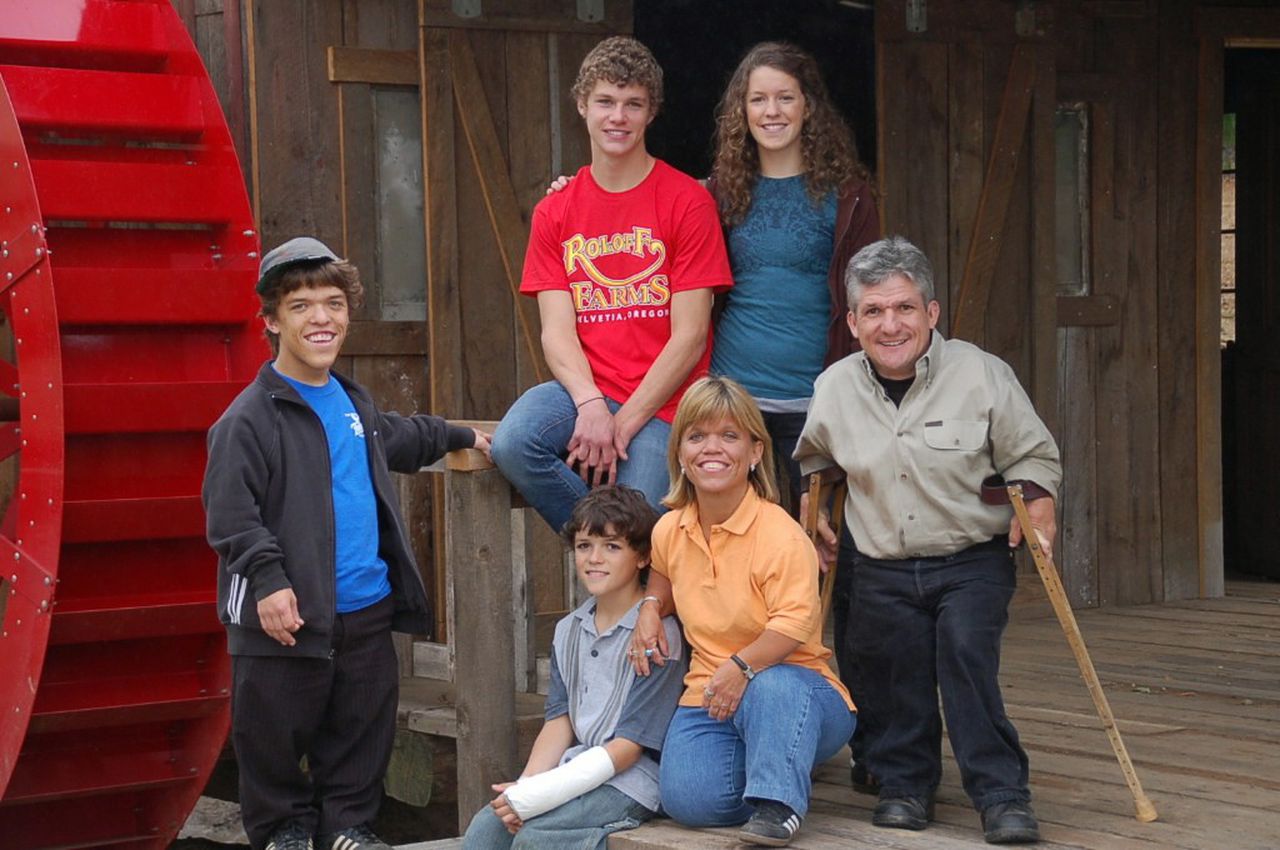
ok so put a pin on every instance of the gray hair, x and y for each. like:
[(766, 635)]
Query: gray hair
[(879, 261)]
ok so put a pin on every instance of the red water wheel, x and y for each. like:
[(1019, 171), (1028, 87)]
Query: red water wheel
[(127, 260)]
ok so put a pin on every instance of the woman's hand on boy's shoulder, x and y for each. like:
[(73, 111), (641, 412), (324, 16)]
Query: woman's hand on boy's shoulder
[(648, 640)]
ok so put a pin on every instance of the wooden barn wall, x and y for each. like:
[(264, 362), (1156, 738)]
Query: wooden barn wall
[(1121, 372), (493, 91), (499, 124)]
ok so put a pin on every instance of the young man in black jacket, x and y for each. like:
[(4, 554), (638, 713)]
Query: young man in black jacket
[(315, 566)]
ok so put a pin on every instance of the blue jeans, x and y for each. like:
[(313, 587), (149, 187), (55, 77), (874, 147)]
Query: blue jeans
[(790, 719), (583, 823), (532, 440), (929, 625)]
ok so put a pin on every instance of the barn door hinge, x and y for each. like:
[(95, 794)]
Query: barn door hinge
[(917, 15), (590, 11), (466, 8), (1024, 18)]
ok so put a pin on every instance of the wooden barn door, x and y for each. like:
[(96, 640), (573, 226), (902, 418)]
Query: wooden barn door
[(498, 123), (965, 94)]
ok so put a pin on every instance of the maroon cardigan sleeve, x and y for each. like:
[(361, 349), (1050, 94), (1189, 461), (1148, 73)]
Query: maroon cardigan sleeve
[(857, 225)]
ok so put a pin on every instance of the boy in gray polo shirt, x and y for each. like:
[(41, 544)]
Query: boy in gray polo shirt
[(593, 769)]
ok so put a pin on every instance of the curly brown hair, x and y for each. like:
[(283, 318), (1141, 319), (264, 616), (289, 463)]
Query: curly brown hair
[(830, 154), (312, 274), (622, 61)]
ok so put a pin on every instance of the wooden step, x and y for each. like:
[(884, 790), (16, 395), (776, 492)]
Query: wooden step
[(427, 706)]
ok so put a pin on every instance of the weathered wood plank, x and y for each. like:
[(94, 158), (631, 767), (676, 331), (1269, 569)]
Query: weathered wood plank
[(444, 311), (1077, 441), (529, 165), (1205, 759), (443, 300), (1088, 311), (967, 143), (1008, 331), (1042, 268), (478, 530), (490, 216), (485, 136), (914, 164), (357, 150), (296, 119), (370, 65), (969, 312), (381, 24), (370, 338), (574, 146), (1141, 579), (1208, 317)]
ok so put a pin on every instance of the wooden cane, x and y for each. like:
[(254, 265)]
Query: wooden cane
[(1146, 812), (817, 480)]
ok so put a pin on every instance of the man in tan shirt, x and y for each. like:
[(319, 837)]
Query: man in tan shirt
[(917, 422)]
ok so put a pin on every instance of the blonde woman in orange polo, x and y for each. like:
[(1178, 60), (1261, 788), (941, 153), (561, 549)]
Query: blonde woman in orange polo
[(761, 706)]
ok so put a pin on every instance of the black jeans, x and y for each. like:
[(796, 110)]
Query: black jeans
[(842, 610), (926, 625), (340, 712), (784, 432)]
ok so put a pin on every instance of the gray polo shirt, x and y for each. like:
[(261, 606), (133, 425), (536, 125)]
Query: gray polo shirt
[(915, 470), (592, 681)]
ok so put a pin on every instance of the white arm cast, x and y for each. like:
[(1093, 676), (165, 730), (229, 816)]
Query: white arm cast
[(542, 792)]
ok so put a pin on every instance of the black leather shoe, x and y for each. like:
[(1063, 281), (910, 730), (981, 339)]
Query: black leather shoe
[(863, 781), (1010, 822), (903, 812)]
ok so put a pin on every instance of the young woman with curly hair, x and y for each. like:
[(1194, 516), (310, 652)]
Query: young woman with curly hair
[(796, 204)]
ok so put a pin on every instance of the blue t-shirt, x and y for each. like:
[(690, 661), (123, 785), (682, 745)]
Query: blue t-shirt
[(361, 576), (772, 335)]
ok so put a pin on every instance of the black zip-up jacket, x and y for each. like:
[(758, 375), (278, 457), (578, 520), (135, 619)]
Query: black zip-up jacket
[(268, 500)]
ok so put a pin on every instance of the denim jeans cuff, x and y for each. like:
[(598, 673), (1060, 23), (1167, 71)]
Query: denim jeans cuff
[(1001, 795), (798, 803)]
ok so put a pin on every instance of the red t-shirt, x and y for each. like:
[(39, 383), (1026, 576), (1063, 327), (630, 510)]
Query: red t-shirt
[(620, 255)]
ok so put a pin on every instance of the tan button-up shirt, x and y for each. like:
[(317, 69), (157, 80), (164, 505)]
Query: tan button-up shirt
[(915, 470)]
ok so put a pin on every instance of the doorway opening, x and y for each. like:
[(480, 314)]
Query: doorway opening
[(699, 43), (1251, 290)]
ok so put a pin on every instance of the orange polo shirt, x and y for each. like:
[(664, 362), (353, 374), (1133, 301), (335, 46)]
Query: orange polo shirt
[(759, 571)]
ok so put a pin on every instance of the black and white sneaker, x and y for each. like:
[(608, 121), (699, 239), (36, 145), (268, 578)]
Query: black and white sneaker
[(354, 838), (291, 836), (773, 824)]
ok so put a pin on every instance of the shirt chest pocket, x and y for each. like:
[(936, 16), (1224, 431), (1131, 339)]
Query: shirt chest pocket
[(956, 435)]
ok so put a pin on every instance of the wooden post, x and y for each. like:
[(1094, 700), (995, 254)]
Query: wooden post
[(478, 559)]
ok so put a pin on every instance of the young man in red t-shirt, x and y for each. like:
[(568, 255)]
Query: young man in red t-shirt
[(624, 263)]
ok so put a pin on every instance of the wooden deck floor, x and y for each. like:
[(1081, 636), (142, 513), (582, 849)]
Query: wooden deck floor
[(1196, 689)]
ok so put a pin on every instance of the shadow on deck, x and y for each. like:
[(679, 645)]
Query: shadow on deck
[(1195, 687)]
